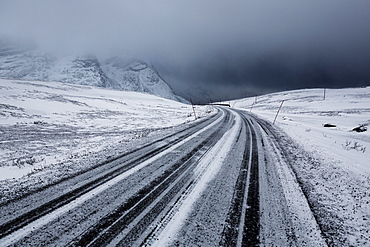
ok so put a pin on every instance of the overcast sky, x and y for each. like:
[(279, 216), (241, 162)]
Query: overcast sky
[(225, 49)]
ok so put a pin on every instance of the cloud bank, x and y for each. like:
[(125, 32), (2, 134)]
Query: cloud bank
[(228, 48)]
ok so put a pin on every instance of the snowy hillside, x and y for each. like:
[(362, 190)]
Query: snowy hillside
[(305, 112), (116, 73), (49, 125), (336, 179)]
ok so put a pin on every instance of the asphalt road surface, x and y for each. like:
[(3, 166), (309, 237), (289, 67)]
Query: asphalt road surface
[(222, 182)]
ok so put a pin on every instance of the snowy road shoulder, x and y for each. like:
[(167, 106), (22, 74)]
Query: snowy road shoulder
[(330, 163), (303, 225)]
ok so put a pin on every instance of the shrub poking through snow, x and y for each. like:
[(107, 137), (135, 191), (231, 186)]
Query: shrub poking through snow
[(23, 161), (356, 146)]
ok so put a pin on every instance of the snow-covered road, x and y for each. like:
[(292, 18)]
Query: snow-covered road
[(213, 183), (78, 164)]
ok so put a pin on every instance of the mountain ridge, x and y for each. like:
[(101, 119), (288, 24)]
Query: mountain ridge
[(115, 73)]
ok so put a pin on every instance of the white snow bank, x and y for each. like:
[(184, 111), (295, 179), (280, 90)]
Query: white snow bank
[(304, 112), (337, 177)]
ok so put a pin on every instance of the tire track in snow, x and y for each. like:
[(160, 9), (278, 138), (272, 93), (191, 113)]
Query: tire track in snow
[(302, 226), (131, 218), (206, 171), (22, 226), (242, 227)]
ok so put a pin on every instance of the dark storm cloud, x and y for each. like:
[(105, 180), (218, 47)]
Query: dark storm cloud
[(226, 48)]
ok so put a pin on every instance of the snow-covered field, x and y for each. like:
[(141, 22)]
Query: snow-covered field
[(50, 130), (337, 178)]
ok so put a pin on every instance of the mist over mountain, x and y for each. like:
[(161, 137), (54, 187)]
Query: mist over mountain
[(116, 72)]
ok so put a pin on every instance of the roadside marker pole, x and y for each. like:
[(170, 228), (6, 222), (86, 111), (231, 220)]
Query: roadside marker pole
[(192, 105), (278, 111)]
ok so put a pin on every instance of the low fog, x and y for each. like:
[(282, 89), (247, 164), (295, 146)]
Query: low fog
[(209, 50)]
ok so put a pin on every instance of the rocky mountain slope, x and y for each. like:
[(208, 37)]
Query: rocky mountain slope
[(116, 72)]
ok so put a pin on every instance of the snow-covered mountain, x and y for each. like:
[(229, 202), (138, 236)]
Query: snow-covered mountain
[(116, 73), (138, 76)]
